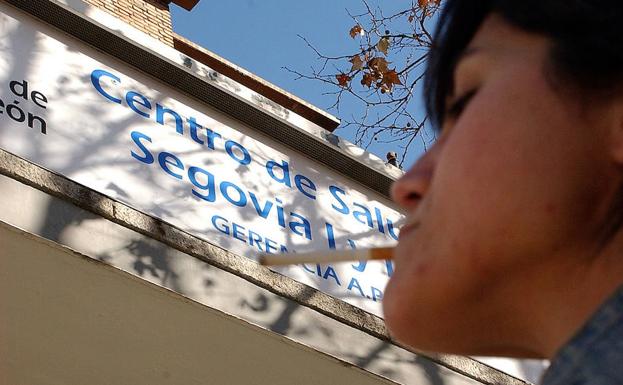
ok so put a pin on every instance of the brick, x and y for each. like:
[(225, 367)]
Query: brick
[(149, 16)]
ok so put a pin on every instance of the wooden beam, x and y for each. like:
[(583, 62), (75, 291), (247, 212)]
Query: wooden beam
[(186, 4), (257, 84)]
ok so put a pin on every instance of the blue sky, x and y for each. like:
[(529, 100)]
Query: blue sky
[(261, 36)]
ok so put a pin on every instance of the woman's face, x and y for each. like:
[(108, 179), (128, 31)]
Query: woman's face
[(514, 186)]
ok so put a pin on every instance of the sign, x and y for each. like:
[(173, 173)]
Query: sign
[(107, 126)]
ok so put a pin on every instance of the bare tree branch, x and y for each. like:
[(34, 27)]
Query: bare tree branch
[(382, 74)]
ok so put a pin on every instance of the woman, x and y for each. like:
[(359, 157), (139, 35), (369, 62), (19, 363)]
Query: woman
[(514, 243)]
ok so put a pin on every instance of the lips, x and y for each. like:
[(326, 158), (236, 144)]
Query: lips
[(407, 228)]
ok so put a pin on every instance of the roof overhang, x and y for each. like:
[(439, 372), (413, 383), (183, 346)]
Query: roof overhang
[(186, 4)]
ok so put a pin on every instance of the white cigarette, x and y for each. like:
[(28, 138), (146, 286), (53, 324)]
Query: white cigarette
[(326, 256)]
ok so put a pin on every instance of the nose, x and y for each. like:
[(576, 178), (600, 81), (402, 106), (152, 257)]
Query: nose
[(409, 190)]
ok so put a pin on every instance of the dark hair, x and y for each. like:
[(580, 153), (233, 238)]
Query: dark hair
[(586, 35)]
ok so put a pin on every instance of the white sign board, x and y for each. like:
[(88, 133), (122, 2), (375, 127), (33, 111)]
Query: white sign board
[(107, 126)]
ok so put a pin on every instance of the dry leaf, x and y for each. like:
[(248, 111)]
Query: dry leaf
[(390, 78), (356, 30), (367, 79), (357, 63), (383, 45), (342, 80), (422, 3), (378, 64)]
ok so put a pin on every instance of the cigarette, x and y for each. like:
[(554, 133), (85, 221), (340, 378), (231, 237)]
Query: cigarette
[(326, 256)]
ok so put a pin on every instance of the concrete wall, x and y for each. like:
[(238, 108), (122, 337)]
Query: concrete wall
[(67, 319)]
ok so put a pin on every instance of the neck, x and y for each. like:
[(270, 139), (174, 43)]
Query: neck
[(568, 292)]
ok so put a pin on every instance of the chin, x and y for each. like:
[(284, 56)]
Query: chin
[(445, 331), (402, 322), (411, 333), (423, 336), (426, 326)]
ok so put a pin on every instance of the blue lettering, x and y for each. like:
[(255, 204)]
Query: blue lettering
[(262, 212), (390, 268), (302, 182), (284, 167), (133, 98), (255, 238), (147, 157), (355, 284), (210, 136), (235, 232), (334, 190), (281, 219), (242, 198), (163, 160), (246, 157), (331, 273), (362, 264), (222, 224), (209, 185), (95, 80), (377, 295), (193, 125), (294, 226), (270, 245), (391, 230), (162, 111), (307, 268), (330, 235), (379, 220), (360, 267), (364, 216)]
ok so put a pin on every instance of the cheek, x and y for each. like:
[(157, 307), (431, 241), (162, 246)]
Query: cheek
[(476, 195), (516, 175)]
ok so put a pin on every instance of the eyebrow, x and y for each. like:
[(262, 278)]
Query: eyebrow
[(469, 51)]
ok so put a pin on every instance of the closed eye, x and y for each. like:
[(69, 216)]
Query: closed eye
[(455, 108)]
